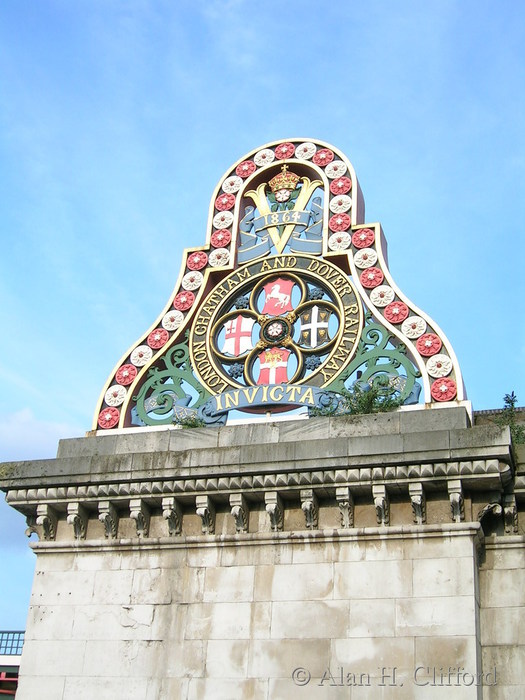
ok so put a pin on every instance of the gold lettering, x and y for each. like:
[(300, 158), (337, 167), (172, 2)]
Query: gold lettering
[(273, 393), (308, 396), (231, 399), (264, 397), (218, 403), (265, 266), (292, 390), (250, 393), (243, 274)]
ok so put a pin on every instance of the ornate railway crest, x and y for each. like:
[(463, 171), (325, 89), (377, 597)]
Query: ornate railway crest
[(288, 302)]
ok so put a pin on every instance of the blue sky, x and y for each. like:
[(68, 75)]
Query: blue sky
[(119, 118)]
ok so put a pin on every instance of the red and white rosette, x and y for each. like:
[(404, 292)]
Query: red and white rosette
[(382, 296), (305, 150), (183, 301), (428, 344), (363, 238), (366, 257), (340, 204), (108, 417), (439, 366), (371, 278), (264, 157), (284, 150), (141, 355), (225, 201), (158, 338), (126, 374), (223, 219), (192, 280), (115, 395), (220, 239), (339, 241), (339, 222), (413, 327), (342, 185), (172, 320), (323, 157), (219, 257), (444, 389), (335, 169), (396, 312), (245, 169), (232, 184), (197, 260)]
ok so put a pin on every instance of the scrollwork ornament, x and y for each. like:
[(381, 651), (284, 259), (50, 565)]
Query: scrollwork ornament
[(413, 327), (439, 366), (335, 169), (115, 395), (141, 355), (364, 258)]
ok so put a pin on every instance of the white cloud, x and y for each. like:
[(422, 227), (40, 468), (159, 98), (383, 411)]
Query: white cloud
[(24, 436)]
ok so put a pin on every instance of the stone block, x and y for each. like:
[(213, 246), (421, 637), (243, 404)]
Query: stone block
[(82, 688), (277, 658), (371, 655), (47, 658), (114, 622), (261, 620), (422, 442), (358, 426), (435, 418), (372, 579), (443, 577), (444, 652), (294, 582), (423, 617), (63, 587), (88, 446), (50, 622), (129, 657), (509, 662), (226, 658), (502, 626), (41, 687), (229, 584), (372, 618), (144, 441), (218, 621), (226, 689), (187, 658), (501, 588), (157, 586), (113, 587), (320, 619)]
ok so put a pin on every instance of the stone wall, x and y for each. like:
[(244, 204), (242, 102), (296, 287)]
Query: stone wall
[(363, 557)]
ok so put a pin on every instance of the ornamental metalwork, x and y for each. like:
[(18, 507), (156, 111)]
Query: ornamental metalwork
[(269, 312)]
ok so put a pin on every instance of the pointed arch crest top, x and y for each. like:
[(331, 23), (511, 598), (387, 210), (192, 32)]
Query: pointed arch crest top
[(287, 302)]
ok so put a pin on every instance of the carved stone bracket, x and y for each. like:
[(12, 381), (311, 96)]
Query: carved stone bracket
[(240, 511), (31, 525), (139, 512), (206, 511), (108, 516), (310, 507), (345, 501), (172, 513), (510, 513), (46, 518), (419, 504), (457, 503), (77, 517), (382, 504), (274, 508)]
